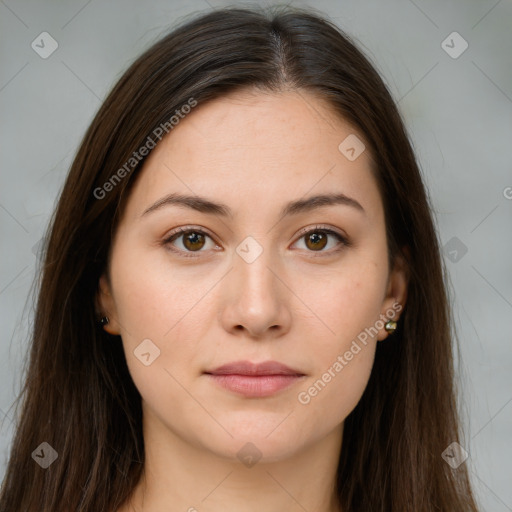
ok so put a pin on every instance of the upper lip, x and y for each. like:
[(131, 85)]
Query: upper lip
[(249, 368)]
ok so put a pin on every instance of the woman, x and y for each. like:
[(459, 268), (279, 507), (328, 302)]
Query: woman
[(242, 303)]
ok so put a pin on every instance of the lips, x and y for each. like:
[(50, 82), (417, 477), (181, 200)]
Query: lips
[(254, 369), (254, 380)]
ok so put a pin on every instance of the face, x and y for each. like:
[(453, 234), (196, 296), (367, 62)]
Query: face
[(191, 287)]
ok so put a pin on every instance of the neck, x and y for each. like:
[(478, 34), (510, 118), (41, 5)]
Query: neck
[(180, 476)]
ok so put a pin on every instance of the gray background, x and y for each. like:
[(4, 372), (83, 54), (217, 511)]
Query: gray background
[(458, 112)]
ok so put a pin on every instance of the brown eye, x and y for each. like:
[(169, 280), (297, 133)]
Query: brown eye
[(193, 240), (189, 241), (316, 240)]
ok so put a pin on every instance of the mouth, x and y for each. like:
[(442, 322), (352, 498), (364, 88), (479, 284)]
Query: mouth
[(254, 380)]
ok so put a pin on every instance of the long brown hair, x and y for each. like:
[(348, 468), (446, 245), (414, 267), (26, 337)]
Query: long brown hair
[(78, 395)]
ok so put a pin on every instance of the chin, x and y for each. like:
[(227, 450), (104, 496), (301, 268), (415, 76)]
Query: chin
[(270, 439), (250, 449)]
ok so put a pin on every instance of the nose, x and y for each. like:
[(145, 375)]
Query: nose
[(256, 299)]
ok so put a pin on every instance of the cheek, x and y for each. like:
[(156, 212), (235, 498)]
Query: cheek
[(342, 359), (332, 394), (345, 302), (158, 303), (349, 307), (152, 296)]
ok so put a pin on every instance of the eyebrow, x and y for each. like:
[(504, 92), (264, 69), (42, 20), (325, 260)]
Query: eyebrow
[(204, 205)]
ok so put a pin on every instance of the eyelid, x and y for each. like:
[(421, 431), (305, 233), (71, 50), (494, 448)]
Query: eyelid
[(320, 227), (187, 228)]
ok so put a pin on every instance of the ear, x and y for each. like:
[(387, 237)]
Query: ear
[(105, 305), (396, 293)]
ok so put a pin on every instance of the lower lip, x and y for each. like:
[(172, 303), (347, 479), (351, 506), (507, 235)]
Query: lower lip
[(255, 386)]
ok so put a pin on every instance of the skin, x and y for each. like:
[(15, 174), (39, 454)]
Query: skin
[(254, 152)]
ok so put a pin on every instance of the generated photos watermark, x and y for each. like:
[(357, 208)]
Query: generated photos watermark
[(149, 144), (305, 397)]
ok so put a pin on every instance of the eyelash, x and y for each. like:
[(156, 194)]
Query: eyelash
[(345, 242)]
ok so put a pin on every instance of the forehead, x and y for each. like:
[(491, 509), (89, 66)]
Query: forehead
[(234, 126), (258, 147)]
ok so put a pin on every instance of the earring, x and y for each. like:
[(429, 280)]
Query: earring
[(104, 320), (390, 326)]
